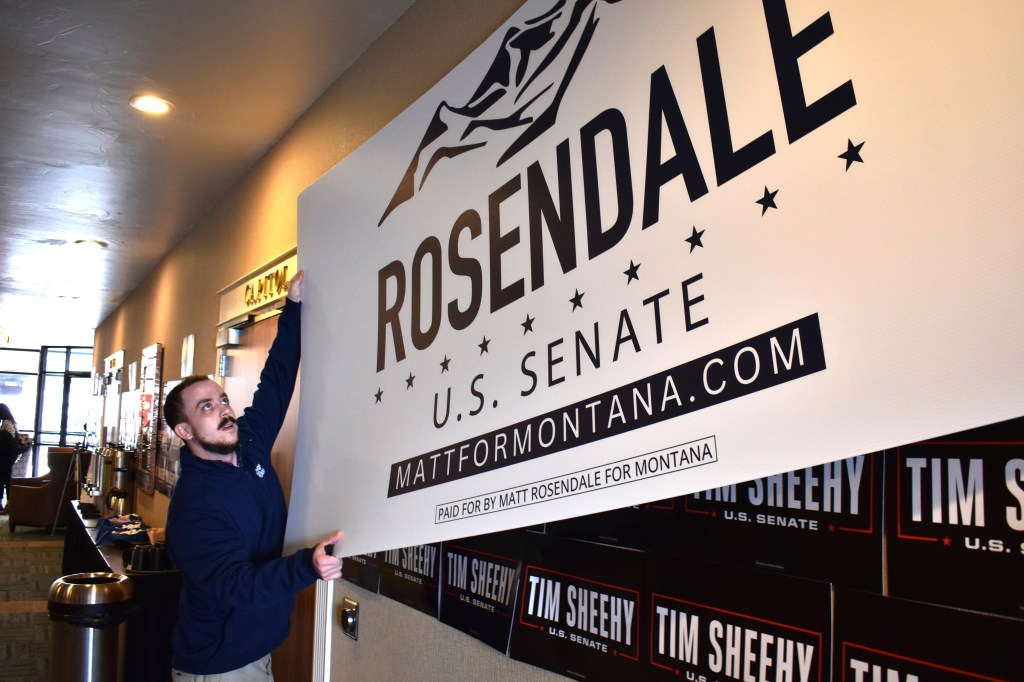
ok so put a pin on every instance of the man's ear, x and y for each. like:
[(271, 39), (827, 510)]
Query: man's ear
[(183, 431)]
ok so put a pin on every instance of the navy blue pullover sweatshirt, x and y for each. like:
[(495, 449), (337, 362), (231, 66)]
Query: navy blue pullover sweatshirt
[(225, 529)]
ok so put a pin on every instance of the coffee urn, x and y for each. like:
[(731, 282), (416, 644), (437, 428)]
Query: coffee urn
[(102, 473), (119, 498)]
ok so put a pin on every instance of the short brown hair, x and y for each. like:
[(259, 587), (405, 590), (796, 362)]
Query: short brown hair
[(174, 405)]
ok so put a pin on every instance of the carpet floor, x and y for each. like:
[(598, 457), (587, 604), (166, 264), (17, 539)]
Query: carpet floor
[(30, 560)]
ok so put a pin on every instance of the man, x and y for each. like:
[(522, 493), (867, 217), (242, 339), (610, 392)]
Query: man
[(226, 521)]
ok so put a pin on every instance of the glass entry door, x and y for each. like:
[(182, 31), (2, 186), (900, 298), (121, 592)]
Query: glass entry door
[(64, 399)]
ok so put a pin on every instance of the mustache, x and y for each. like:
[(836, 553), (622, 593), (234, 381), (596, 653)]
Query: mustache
[(225, 421)]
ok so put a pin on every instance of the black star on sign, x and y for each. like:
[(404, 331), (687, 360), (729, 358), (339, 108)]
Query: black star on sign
[(528, 325), (577, 301), (444, 364), (694, 239), (485, 346), (852, 153), (767, 201), (378, 395), (408, 382), (632, 273)]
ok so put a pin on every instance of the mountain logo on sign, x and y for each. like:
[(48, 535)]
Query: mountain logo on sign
[(521, 91)]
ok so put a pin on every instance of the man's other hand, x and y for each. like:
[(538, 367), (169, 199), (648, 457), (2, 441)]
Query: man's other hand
[(328, 567)]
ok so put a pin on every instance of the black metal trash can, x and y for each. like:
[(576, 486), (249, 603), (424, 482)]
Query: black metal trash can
[(89, 613)]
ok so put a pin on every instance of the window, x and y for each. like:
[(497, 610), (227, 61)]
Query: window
[(49, 392)]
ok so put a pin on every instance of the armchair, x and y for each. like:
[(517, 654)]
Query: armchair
[(43, 500)]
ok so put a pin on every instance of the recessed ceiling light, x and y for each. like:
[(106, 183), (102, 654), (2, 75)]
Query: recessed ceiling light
[(150, 105)]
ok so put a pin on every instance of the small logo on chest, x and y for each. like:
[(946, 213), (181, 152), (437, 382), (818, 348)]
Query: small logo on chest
[(260, 470)]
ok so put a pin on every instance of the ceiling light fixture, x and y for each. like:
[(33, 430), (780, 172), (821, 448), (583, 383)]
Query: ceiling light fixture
[(150, 105)]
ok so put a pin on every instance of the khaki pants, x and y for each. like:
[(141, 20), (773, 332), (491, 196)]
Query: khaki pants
[(257, 671)]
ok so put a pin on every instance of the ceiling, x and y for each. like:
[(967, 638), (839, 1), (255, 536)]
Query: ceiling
[(77, 163)]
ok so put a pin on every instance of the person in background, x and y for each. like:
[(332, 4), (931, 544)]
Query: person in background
[(8, 453), (226, 521)]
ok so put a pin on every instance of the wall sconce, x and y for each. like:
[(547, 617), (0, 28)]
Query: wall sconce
[(223, 363)]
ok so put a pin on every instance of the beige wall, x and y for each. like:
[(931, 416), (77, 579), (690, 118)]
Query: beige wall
[(255, 222)]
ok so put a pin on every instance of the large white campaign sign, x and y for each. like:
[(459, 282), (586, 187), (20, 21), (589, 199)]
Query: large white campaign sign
[(633, 249)]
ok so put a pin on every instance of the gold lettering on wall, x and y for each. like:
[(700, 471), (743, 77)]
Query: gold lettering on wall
[(267, 287)]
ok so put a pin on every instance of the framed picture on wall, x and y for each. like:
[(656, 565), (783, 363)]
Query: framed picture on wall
[(168, 453), (188, 348), (151, 388)]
